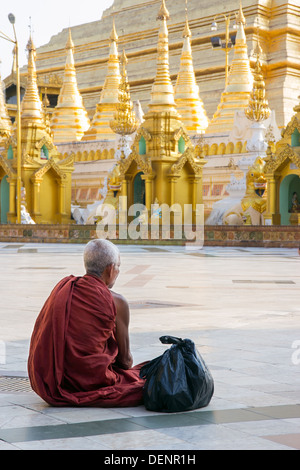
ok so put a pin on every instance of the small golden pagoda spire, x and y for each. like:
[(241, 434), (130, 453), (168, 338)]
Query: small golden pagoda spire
[(113, 35), (5, 122), (240, 79), (31, 106), (258, 107), (187, 99), (124, 122), (105, 109), (69, 119), (162, 89), (240, 18)]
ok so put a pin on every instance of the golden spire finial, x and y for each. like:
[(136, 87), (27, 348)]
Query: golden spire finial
[(31, 106), (163, 13), (70, 43), (113, 34), (240, 16), (258, 107), (186, 32), (162, 90)]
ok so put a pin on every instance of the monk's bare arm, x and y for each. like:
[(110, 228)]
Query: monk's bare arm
[(124, 358)]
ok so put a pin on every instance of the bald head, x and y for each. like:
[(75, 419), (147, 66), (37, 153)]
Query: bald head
[(98, 254)]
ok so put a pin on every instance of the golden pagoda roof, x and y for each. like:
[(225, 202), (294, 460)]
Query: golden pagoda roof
[(100, 126), (162, 95), (187, 98), (240, 79), (31, 106), (69, 119)]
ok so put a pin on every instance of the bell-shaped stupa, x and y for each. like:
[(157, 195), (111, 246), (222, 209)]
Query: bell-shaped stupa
[(239, 86), (187, 98), (69, 119), (100, 126)]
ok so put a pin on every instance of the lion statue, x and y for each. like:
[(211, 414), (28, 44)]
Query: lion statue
[(253, 205)]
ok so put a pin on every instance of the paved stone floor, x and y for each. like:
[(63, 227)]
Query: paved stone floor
[(239, 305)]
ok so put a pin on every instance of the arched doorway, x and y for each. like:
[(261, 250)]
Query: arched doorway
[(139, 189), (290, 186), (4, 199)]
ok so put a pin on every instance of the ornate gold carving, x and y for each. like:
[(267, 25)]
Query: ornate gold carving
[(39, 174), (46, 140), (142, 163), (8, 170), (273, 164), (124, 121), (187, 156), (290, 128)]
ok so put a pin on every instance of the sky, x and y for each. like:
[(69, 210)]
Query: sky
[(46, 18)]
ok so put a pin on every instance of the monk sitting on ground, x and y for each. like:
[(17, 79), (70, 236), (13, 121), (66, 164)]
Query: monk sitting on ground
[(79, 351)]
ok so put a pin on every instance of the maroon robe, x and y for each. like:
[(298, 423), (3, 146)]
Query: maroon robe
[(73, 350)]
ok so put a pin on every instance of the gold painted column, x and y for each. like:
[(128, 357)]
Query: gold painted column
[(148, 191), (273, 202), (195, 181), (36, 200), (173, 181), (124, 193), (62, 201), (12, 215)]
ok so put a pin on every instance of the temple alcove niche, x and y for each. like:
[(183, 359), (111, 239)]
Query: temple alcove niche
[(282, 171), (289, 200)]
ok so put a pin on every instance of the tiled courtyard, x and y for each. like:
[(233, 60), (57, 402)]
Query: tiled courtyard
[(239, 305)]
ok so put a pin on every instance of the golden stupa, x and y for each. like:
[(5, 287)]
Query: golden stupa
[(69, 119), (162, 166), (100, 126), (237, 92), (187, 99), (45, 177)]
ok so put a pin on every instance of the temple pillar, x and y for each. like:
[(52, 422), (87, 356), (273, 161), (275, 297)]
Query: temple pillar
[(272, 217), (195, 183), (148, 191), (173, 181), (12, 214), (62, 214), (36, 213)]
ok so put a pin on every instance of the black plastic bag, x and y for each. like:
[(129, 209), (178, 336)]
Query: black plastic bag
[(178, 380)]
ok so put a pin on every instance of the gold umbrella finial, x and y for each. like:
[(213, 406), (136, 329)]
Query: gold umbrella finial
[(163, 13), (186, 32), (240, 18)]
